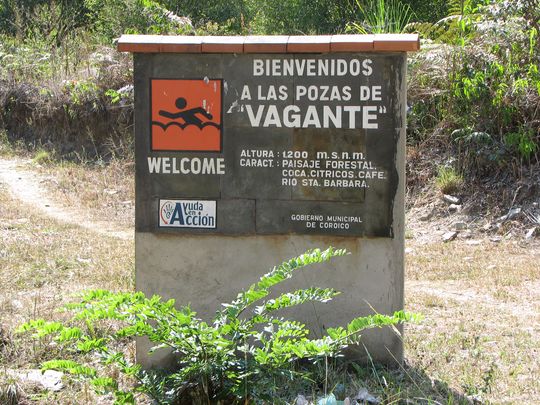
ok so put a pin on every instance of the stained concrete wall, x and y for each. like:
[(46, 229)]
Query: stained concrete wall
[(207, 271)]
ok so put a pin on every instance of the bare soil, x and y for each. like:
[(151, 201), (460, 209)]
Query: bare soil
[(33, 188), (491, 205)]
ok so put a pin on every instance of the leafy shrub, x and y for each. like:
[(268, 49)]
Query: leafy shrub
[(117, 17), (240, 356), (231, 17), (480, 77), (10, 392), (429, 11), (54, 20), (42, 157), (57, 20), (456, 25), (523, 142), (300, 17)]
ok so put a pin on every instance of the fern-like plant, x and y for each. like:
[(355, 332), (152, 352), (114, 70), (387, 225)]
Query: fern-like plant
[(237, 357), (453, 28)]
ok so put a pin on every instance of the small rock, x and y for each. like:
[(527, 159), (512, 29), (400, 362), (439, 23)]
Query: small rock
[(328, 400), (473, 242), (459, 226), (364, 396), (301, 400), (110, 191), (496, 239), (475, 399), (126, 89), (454, 207), (50, 379), (449, 236), (511, 214), (451, 199), (17, 304), (531, 232)]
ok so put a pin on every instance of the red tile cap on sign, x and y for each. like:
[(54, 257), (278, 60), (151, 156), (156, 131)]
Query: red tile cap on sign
[(308, 44), (266, 44), (396, 42), (351, 43), (270, 44), (139, 43), (224, 44), (180, 44)]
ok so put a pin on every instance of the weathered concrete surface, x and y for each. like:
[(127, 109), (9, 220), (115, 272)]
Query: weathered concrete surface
[(206, 269)]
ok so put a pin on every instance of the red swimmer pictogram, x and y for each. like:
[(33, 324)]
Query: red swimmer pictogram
[(186, 115)]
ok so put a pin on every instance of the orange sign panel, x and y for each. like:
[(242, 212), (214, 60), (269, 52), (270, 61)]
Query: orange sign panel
[(186, 115)]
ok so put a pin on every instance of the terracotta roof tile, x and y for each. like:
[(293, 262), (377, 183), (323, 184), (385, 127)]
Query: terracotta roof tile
[(269, 44)]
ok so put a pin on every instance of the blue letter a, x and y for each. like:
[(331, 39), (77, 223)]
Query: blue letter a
[(177, 214)]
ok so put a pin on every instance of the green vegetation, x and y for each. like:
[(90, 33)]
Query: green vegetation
[(477, 85), (246, 354), (382, 16), (42, 156), (448, 180)]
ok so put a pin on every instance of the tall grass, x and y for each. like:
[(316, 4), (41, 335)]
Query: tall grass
[(381, 16)]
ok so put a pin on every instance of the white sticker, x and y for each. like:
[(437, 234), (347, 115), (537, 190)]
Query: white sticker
[(187, 214)]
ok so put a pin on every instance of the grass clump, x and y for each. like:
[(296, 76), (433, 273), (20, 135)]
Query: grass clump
[(10, 392), (42, 157), (448, 180)]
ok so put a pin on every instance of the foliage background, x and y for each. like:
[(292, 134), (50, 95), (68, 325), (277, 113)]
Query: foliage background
[(473, 89)]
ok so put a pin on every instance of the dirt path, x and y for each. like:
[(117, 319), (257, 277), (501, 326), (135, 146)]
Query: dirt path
[(27, 186), (454, 293)]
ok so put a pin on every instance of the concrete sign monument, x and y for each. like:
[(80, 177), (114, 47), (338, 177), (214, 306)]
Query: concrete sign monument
[(251, 150)]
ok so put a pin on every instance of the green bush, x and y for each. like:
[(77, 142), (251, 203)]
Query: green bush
[(476, 85), (430, 11), (57, 20), (42, 157), (117, 17), (242, 355), (523, 142), (299, 17), (230, 16)]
